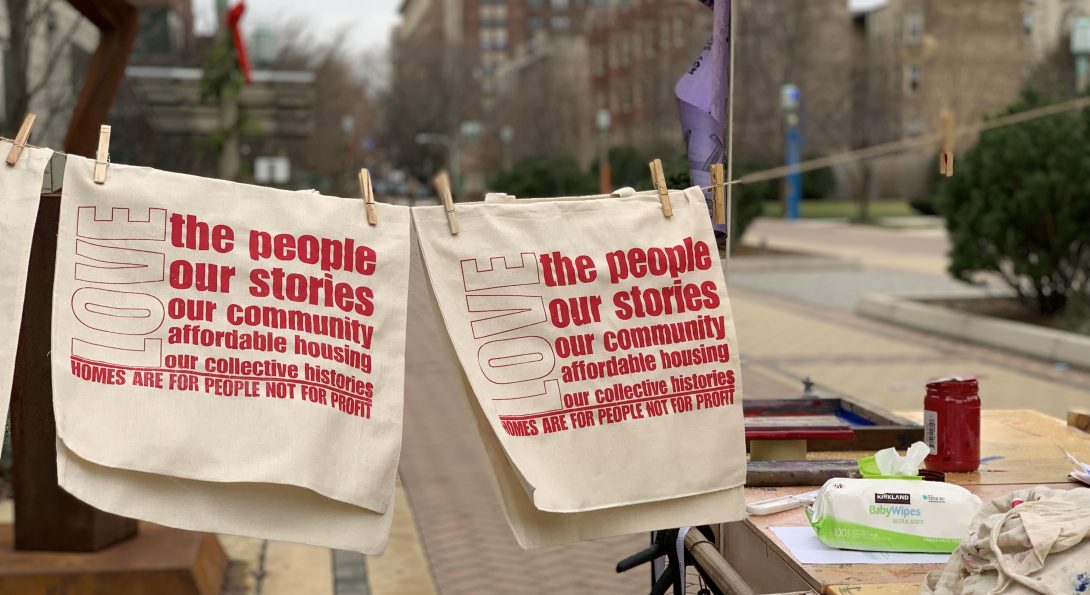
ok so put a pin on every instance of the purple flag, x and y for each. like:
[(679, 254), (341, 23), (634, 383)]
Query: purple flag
[(701, 97)]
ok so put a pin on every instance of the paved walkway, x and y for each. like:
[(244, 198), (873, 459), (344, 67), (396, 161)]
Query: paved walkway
[(785, 335), (916, 250), (449, 532)]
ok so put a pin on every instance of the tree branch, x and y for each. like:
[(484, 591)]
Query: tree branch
[(54, 58), (44, 9)]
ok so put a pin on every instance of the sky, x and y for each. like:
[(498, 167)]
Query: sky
[(864, 4), (369, 21)]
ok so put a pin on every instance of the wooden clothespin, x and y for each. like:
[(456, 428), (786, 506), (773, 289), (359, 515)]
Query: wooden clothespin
[(658, 178), (21, 139), (102, 157), (368, 196), (442, 186), (948, 126), (719, 192)]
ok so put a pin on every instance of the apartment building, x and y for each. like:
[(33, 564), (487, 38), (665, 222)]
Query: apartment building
[(488, 32), (915, 58), (639, 49)]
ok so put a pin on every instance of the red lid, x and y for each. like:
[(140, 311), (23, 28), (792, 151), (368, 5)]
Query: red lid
[(954, 386)]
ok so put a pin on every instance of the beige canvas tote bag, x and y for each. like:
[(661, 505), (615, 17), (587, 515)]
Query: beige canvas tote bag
[(502, 198), (213, 332), (20, 189), (265, 510), (566, 455)]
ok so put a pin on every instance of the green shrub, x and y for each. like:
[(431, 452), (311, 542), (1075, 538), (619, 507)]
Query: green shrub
[(745, 209), (545, 177), (924, 205), (818, 183), (627, 167), (1019, 206), (541, 176)]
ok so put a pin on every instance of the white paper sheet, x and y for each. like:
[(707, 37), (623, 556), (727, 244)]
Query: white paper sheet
[(804, 545), (1081, 471)]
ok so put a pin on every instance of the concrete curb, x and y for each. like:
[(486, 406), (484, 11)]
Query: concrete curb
[(1027, 339), (790, 263)]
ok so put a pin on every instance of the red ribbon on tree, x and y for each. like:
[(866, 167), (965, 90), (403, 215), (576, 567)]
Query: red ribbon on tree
[(233, 17)]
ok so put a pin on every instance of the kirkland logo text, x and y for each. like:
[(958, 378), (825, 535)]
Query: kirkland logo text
[(890, 498)]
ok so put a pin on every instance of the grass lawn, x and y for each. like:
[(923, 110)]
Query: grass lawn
[(842, 209)]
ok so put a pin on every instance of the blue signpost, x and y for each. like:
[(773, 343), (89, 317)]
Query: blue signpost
[(790, 100)]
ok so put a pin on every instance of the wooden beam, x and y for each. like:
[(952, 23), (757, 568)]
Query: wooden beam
[(47, 518), (1079, 419), (117, 22)]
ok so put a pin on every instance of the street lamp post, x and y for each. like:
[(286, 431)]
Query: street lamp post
[(1080, 46), (605, 173), (507, 134), (790, 100)]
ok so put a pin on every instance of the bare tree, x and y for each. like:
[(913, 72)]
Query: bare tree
[(544, 98), (346, 111), (432, 88), (26, 19)]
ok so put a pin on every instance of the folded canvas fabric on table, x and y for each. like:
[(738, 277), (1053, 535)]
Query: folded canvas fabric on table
[(229, 358), (582, 445), (20, 189)]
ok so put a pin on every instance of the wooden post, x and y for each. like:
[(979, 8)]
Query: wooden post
[(1079, 419), (46, 517), (117, 22), (48, 520)]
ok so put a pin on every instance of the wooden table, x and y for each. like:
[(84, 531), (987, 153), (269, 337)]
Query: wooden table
[(1024, 443)]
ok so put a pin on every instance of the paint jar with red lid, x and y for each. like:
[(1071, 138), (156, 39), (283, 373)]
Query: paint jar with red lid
[(951, 419)]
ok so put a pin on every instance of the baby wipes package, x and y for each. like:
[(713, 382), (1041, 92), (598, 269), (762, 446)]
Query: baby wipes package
[(892, 515)]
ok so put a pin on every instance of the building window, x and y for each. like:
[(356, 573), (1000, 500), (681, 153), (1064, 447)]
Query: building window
[(875, 30), (679, 31), (1027, 23), (914, 28), (493, 15), (913, 78), (649, 42), (493, 38), (913, 127), (560, 23), (534, 4), (599, 62), (560, 4), (533, 23)]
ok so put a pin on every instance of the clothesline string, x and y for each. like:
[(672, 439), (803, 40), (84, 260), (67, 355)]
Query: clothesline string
[(876, 150), (63, 154)]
